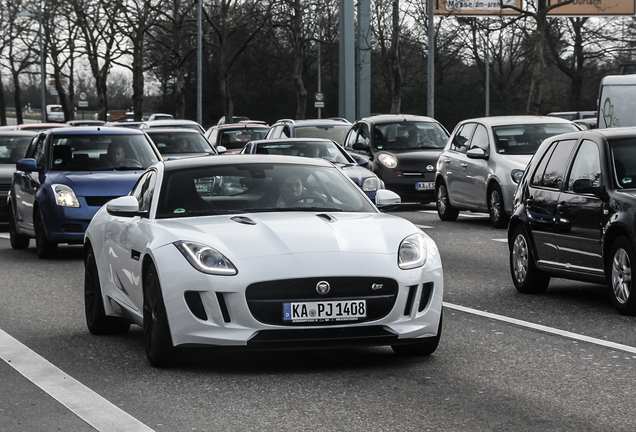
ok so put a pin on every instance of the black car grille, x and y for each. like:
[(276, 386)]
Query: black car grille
[(98, 201), (265, 299)]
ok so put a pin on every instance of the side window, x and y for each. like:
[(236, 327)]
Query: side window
[(554, 173), (363, 136), (480, 139), (461, 138), (351, 137), (538, 174), (144, 189), (285, 133), (38, 152), (586, 165)]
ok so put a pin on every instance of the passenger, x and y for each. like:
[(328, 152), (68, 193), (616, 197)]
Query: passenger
[(312, 151)]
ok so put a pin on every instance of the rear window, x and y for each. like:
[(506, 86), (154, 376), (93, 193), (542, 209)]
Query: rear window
[(12, 149), (332, 132), (526, 139)]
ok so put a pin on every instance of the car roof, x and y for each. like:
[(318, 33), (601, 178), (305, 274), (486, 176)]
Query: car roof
[(241, 125), (93, 130), (17, 133), (315, 122), (158, 130), (516, 119), (168, 122), (392, 118), (234, 159), (291, 140)]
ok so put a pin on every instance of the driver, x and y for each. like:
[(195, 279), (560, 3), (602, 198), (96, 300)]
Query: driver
[(291, 188), (116, 154)]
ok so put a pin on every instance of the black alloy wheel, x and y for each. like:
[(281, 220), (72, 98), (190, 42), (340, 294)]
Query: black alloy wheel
[(158, 342), (18, 241), (621, 276), (43, 246)]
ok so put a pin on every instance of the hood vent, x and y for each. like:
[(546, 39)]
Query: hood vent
[(326, 217), (243, 220)]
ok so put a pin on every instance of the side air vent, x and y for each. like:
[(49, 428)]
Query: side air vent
[(243, 220), (427, 290), (409, 299), (326, 217), (195, 304), (224, 311)]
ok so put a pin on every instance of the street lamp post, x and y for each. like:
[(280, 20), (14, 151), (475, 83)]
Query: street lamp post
[(42, 64)]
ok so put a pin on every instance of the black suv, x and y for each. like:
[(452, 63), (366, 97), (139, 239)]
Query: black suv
[(573, 214)]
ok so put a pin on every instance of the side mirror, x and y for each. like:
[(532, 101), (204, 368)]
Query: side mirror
[(476, 153), (363, 162), (126, 206), (221, 149), (360, 146), (584, 185), (26, 165), (386, 199)]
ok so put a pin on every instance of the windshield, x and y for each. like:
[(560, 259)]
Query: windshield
[(409, 136), (237, 138), (248, 188), (101, 152), (624, 162), (317, 149), (336, 133), (12, 148), (526, 139), (180, 142)]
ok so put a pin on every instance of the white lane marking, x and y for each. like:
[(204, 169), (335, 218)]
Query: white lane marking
[(4, 235), (545, 329), (466, 215), (82, 401), (424, 226), (501, 240)]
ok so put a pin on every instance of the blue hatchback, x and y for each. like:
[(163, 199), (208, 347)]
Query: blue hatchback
[(66, 176)]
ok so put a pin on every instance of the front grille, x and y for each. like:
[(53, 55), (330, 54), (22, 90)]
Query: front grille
[(98, 201), (322, 337), (265, 299)]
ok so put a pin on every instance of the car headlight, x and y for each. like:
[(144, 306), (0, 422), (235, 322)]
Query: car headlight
[(516, 175), (388, 160), (371, 184), (206, 259), (64, 196), (412, 253)]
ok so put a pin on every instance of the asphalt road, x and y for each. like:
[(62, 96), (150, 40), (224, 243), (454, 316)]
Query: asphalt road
[(566, 364)]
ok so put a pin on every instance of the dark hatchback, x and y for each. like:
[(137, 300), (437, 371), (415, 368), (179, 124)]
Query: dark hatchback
[(574, 217), (402, 151)]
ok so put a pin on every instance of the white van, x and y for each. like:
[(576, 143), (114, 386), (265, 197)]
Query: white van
[(617, 101)]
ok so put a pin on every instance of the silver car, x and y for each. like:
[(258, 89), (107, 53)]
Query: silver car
[(484, 159)]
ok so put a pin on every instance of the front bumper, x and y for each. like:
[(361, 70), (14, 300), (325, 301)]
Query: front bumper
[(207, 310)]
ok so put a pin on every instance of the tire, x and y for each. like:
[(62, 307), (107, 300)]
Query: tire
[(97, 321), (623, 260), (18, 241), (421, 348), (496, 210), (444, 209), (158, 342), (43, 246), (528, 279)]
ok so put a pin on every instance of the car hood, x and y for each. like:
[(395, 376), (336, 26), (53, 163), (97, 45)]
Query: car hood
[(357, 173), (96, 183), (282, 233)]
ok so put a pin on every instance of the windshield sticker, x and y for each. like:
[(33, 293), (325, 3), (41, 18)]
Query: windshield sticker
[(179, 210), (626, 180)]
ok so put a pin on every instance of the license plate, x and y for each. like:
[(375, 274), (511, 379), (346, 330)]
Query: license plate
[(324, 311), (424, 185)]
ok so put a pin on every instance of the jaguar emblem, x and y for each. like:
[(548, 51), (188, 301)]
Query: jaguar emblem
[(323, 287)]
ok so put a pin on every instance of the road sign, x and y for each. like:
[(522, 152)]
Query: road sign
[(319, 97), (319, 104), (82, 96), (82, 104)]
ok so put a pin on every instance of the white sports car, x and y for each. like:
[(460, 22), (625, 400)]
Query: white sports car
[(260, 252)]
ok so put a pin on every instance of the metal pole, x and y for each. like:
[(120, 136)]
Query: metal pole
[(42, 66), (431, 59), (487, 74), (199, 66), (319, 66)]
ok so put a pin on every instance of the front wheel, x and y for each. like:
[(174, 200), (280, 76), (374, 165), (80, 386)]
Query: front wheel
[(18, 241), (158, 342), (528, 279), (43, 246), (97, 321), (620, 276), (444, 209), (498, 216), (421, 348)]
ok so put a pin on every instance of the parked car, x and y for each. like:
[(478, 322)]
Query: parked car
[(217, 263), (573, 214), (334, 129), (174, 123), (13, 145), (160, 116), (180, 142), (320, 148), (402, 150), (66, 176), (233, 136), (484, 160), (54, 113), (86, 123)]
